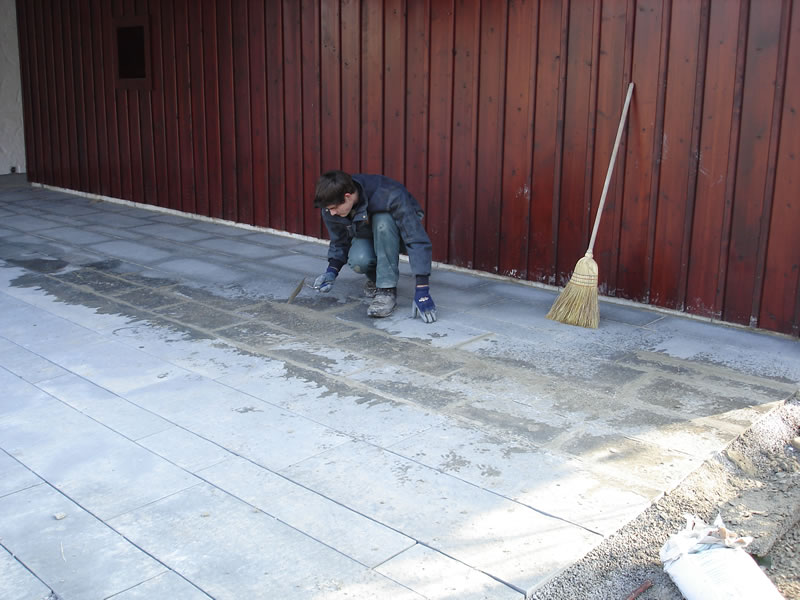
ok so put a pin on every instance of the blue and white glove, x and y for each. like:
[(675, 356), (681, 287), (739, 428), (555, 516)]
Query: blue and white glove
[(423, 304), (324, 282)]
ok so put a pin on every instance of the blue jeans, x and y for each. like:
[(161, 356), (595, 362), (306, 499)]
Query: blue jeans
[(378, 257)]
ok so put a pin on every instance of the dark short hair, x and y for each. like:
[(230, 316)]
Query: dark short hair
[(331, 188)]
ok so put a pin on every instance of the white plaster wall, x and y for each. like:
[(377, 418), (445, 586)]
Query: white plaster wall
[(12, 138)]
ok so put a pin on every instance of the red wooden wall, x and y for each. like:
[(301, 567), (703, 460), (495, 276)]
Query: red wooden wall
[(498, 115)]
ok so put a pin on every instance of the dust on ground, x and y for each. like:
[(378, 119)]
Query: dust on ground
[(754, 486)]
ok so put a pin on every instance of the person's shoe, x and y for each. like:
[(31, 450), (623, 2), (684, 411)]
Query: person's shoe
[(383, 304), (370, 288)]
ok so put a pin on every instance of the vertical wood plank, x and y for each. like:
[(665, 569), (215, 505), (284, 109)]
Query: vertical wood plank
[(111, 105), (757, 100), (710, 201), (184, 106), (611, 89), (64, 178), (68, 97), (466, 75), (314, 145), (350, 31), (211, 104), (293, 121), (781, 286), (673, 209), (277, 157), (440, 123), (772, 157), (489, 186), (372, 87), (197, 100), (633, 245), (174, 159), (417, 96), (523, 31), (573, 205), (159, 149), (27, 82), (394, 77), (227, 112), (98, 51), (258, 107), (330, 74), (77, 35), (89, 111), (243, 167)]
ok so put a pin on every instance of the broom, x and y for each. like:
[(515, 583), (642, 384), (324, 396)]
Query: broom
[(577, 303)]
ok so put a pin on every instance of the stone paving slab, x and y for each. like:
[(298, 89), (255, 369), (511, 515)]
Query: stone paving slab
[(18, 583), (237, 421), (70, 551), (105, 407), (100, 470), (439, 577), (460, 520), (167, 585), (232, 550), (354, 535)]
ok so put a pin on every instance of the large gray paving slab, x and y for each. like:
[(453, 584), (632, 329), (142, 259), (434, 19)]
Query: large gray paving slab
[(136, 252), (115, 366), (438, 577), (176, 233), (548, 482), (240, 423), (509, 541), (185, 449), (76, 235), (105, 407), (332, 524), (201, 270), (28, 365), (239, 249), (359, 413), (14, 476), (192, 350), (77, 556), (30, 223), (740, 350), (18, 583), (231, 550), (102, 471), (167, 585)]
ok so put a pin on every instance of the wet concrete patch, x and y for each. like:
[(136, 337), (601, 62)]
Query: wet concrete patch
[(149, 299), (404, 353), (254, 334), (97, 281), (199, 315), (39, 265)]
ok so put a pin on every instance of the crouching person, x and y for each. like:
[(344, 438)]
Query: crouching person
[(370, 220)]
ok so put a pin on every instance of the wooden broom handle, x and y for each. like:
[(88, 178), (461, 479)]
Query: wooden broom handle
[(610, 168)]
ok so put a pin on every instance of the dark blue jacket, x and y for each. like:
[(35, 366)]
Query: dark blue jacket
[(377, 193)]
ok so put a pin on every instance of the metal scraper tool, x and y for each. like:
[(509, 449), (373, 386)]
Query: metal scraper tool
[(296, 291)]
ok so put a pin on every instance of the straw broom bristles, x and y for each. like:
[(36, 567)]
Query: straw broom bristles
[(577, 303)]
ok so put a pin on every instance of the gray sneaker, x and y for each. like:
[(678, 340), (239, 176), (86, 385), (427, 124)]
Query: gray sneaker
[(370, 288), (383, 304)]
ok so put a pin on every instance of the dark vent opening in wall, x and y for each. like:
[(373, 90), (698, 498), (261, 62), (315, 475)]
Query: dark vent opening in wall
[(131, 52)]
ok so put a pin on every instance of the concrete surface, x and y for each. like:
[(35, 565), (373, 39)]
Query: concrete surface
[(171, 428)]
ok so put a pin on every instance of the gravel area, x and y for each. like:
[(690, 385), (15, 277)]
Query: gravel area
[(754, 486)]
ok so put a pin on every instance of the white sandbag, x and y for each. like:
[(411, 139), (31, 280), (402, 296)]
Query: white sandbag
[(707, 562)]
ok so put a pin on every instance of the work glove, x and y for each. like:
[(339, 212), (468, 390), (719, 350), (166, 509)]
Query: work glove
[(324, 282), (423, 304)]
